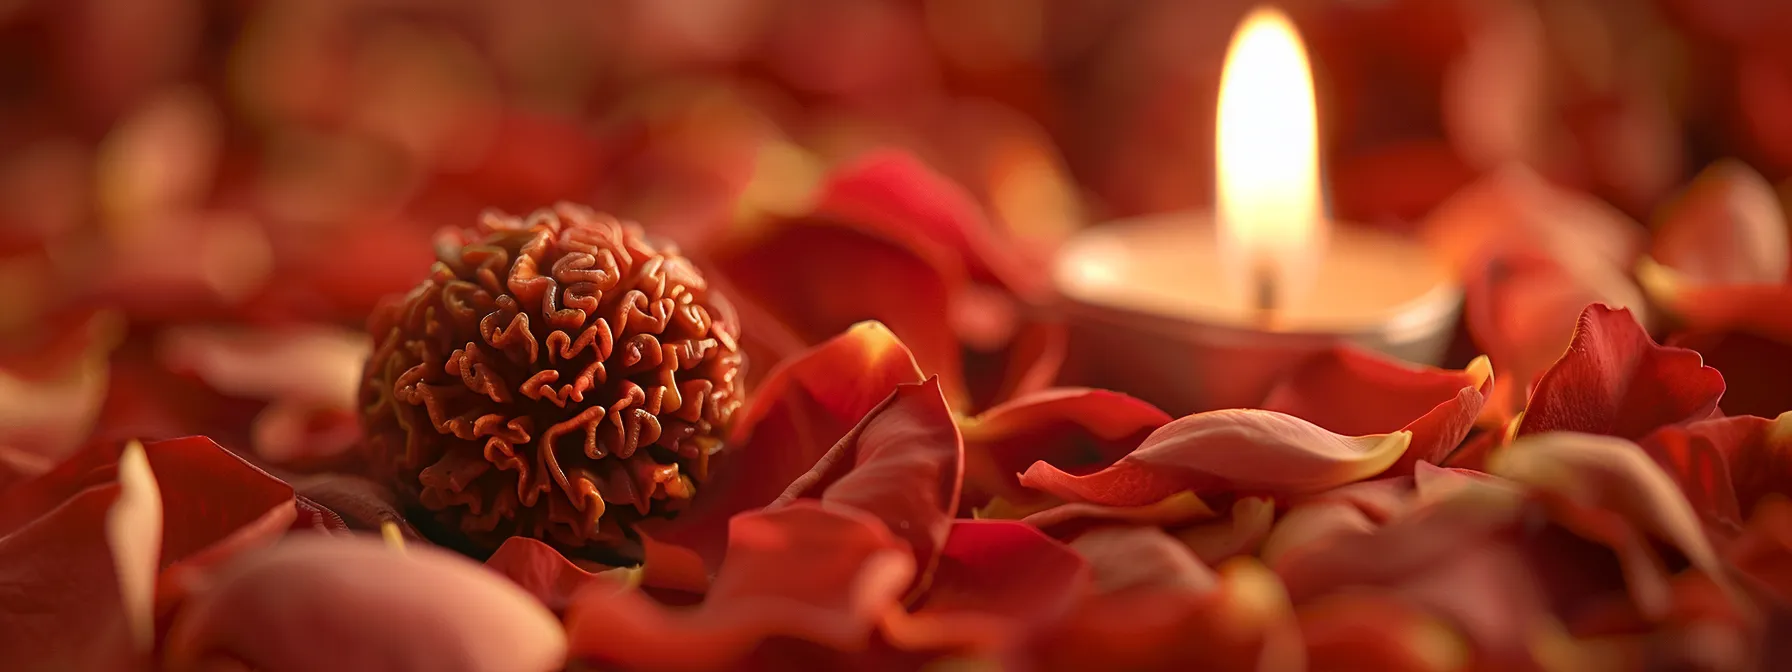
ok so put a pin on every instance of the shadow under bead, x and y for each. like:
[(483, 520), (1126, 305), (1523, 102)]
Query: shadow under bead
[(556, 376)]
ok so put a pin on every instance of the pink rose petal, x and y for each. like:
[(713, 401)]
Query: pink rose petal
[(353, 603), (1238, 450)]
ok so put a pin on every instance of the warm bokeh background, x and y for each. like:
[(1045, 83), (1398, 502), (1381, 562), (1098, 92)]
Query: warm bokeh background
[(273, 161)]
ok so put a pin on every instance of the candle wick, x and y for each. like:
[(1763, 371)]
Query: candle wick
[(1264, 280)]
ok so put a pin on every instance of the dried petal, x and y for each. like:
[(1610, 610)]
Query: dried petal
[(1238, 450), (804, 571), (903, 463), (316, 602), (798, 414), (1351, 391), (1614, 380)]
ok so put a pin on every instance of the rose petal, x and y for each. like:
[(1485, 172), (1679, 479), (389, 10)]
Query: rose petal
[(62, 591), (996, 582), (793, 273), (822, 575), (1697, 457), (1378, 632), (215, 506), (894, 193), (1754, 368), (312, 364), (47, 407), (135, 535), (1754, 308), (1763, 552), (795, 418), (1727, 228), (1244, 622), (1608, 490), (1129, 558), (1356, 508), (1072, 428), (544, 572), (903, 463), (316, 602), (304, 436), (1178, 509), (1614, 380), (1242, 533), (360, 503), (1351, 391), (1532, 257), (1238, 450)]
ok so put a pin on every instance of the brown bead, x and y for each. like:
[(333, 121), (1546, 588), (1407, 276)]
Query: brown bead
[(556, 376)]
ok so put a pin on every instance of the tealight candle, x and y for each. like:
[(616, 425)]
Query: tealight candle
[(1194, 311)]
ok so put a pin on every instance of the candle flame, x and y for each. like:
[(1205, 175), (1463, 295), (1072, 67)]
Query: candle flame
[(1270, 220)]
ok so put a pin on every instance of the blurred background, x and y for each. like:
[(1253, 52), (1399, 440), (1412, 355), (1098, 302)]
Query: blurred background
[(272, 161)]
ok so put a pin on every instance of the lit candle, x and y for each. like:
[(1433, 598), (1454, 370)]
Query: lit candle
[(1196, 311)]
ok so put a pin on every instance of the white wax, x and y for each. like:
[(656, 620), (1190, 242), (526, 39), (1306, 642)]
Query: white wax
[(1169, 266)]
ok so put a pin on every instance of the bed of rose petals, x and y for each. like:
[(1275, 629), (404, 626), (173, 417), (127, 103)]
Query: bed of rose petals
[(1606, 488), (873, 513)]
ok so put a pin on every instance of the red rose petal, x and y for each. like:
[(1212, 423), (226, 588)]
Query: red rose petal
[(316, 603), (1072, 428), (1243, 623), (1371, 631), (903, 463), (1532, 256), (996, 583), (897, 195), (1759, 309), (1238, 450), (1697, 456), (1608, 490), (80, 581), (796, 417), (1177, 509), (822, 575), (1727, 228), (1763, 552), (793, 272), (1755, 368), (1241, 533), (1614, 380), (1353, 392), (1132, 558), (542, 571), (61, 591)]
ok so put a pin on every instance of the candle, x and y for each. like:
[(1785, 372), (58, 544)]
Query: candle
[(1195, 311)]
